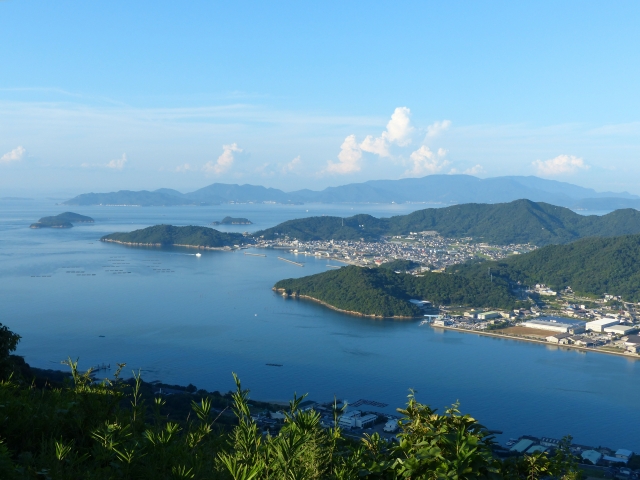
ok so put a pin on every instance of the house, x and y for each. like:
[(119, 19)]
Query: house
[(559, 339), (624, 454), (391, 426), (584, 342), (631, 340), (591, 456)]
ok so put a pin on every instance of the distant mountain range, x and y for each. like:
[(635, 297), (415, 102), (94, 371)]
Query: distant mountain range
[(520, 221), (436, 189)]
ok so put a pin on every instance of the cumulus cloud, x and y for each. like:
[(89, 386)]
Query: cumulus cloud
[(426, 162), (224, 162), (437, 128), (348, 158), (118, 164), (292, 165), (562, 164), (475, 170), (15, 155), (398, 131)]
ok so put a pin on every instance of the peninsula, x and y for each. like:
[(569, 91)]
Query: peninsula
[(63, 220), (233, 221), (379, 292), (169, 235), (517, 222), (591, 267)]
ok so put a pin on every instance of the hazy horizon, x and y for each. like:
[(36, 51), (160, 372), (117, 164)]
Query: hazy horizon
[(109, 96)]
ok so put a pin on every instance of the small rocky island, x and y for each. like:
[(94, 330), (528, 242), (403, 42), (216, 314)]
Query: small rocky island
[(64, 220), (233, 221), (190, 236)]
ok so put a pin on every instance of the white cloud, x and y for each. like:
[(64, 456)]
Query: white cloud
[(185, 168), (378, 146), (15, 155), (398, 131), (425, 162), (292, 165), (118, 164), (349, 157), (437, 128), (562, 164), (224, 162), (475, 170)]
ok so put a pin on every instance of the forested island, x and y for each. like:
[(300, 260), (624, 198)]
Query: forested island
[(169, 235), (517, 222), (63, 220), (380, 292), (233, 221)]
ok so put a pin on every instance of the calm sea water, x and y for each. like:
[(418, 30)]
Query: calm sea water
[(187, 319)]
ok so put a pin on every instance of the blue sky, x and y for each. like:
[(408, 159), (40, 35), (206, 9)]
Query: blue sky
[(99, 96)]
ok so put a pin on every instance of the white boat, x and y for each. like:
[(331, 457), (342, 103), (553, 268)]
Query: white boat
[(198, 254), (424, 322)]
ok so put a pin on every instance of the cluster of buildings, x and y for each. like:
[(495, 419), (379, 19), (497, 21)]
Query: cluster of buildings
[(426, 248), (588, 455)]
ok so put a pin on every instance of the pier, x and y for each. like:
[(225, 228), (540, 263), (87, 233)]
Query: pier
[(334, 266), (290, 261), (255, 254)]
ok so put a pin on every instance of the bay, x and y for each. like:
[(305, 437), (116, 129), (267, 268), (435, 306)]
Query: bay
[(186, 319)]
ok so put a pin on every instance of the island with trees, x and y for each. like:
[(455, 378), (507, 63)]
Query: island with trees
[(169, 235), (63, 220), (233, 221)]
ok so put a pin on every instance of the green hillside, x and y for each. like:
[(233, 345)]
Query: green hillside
[(381, 292), (521, 221), (170, 235), (592, 266)]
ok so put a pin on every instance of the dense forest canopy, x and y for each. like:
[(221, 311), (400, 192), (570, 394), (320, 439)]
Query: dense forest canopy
[(521, 221), (381, 292), (170, 235), (592, 266)]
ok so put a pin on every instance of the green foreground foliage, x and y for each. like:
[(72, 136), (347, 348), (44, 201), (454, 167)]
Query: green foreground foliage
[(381, 292), (105, 430)]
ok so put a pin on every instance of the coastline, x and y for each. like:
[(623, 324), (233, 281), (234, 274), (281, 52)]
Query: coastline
[(137, 244), (541, 342), (282, 292)]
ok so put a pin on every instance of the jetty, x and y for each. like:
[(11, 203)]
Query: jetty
[(255, 254), (290, 261), (334, 266)]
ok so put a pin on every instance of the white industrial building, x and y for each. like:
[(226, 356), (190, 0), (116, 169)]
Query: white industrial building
[(556, 324), (620, 329), (600, 324), (355, 419), (488, 315)]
